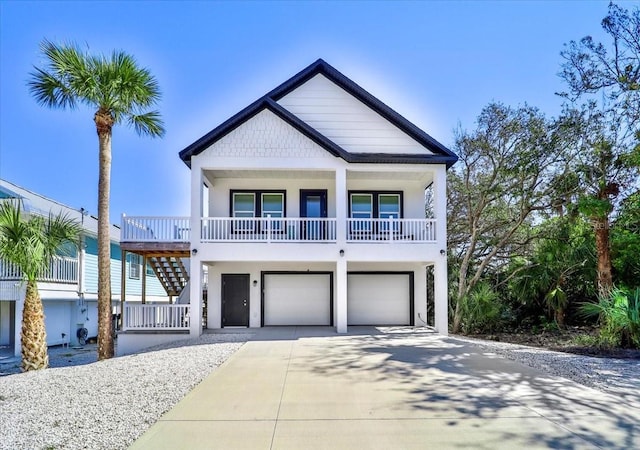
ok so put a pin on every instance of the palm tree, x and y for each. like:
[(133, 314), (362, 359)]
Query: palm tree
[(30, 243), (117, 90)]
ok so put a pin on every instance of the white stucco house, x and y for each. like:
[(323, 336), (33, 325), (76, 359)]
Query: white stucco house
[(69, 288), (308, 208)]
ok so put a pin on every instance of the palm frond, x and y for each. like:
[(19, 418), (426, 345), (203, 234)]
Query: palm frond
[(31, 241), (149, 123), (114, 83)]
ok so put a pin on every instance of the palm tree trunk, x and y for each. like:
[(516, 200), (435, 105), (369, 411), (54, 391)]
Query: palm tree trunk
[(603, 250), (104, 122), (34, 335)]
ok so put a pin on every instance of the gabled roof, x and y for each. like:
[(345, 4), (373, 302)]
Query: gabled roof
[(441, 154)]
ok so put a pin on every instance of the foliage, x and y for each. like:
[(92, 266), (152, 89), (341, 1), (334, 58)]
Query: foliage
[(613, 70), (619, 315), (482, 310), (115, 85), (625, 242), (118, 90), (605, 128), (30, 243), (507, 173), (559, 270)]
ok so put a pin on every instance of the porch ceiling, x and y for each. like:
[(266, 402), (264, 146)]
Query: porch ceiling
[(422, 175), (288, 174), (425, 176)]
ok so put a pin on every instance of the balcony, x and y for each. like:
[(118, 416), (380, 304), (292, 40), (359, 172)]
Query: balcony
[(60, 270), (139, 317), (278, 230)]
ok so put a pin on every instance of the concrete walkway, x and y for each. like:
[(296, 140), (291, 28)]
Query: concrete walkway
[(308, 388)]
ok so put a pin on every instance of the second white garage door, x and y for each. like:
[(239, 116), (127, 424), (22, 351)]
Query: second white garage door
[(379, 299), (297, 299)]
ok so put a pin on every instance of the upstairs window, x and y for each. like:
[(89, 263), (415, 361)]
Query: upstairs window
[(388, 208), (374, 205), (273, 205), (252, 204), (244, 205)]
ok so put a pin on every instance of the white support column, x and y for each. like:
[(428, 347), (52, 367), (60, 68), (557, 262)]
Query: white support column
[(341, 206), (441, 298), (420, 296), (195, 285), (195, 264), (197, 181), (440, 205), (341, 297), (440, 278)]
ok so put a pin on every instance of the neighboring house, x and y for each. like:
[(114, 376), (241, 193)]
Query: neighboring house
[(308, 208), (69, 289)]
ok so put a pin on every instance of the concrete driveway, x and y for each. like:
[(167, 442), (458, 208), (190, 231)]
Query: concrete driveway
[(308, 388)]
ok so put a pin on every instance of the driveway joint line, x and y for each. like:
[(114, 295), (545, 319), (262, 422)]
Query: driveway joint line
[(284, 383)]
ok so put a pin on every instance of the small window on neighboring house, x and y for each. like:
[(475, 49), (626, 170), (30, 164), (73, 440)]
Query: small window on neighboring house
[(150, 271), (135, 266)]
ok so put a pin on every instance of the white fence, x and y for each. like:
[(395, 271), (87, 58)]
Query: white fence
[(391, 230), (61, 269), (139, 316), (155, 229), (234, 229)]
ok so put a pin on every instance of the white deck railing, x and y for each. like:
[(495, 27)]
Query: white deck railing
[(391, 230), (234, 229), (269, 229), (61, 269), (155, 229), (145, 317)]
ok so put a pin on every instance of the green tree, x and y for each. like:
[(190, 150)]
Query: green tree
[(117, 90), (613, 70), (30, 243), (506, 175), (606, 127), (625, 243), (560, 269), (604, 161)]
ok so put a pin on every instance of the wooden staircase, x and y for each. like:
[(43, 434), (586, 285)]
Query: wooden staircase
[(171, 272)]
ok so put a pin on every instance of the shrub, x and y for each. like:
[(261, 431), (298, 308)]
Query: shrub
[(619, 314), (483, 311)]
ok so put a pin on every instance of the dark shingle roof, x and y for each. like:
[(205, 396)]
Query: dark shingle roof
[(441, 154)]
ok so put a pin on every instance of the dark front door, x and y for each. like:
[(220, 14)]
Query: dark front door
[(313, 205), (235, 300)]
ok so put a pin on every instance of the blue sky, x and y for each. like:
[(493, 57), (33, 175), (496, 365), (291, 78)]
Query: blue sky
[(436, 63)]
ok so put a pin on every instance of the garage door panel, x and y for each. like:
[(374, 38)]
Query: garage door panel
[(297, 299), (379, 299)]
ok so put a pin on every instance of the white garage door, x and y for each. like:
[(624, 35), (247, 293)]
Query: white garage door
[(379, 299), (297, 299)]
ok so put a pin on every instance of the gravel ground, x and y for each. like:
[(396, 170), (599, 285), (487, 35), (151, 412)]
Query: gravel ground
[(108, 404), (610, 375)]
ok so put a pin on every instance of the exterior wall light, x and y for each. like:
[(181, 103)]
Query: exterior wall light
[(443, 252), (194, 252), (255, 283), (341, 252)]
